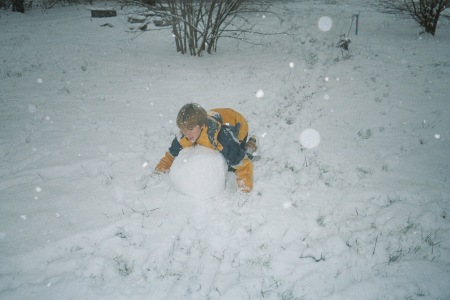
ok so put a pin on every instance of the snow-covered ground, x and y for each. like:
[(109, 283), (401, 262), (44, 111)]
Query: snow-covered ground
[(86, 111)]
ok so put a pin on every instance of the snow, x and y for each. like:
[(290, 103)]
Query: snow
[(86, 112), (199, 172)]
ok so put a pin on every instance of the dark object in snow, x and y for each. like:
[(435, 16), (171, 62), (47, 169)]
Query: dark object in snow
[(149, 2), (103, 13), (162, 23), (344, 42), (136, 19), (18, 6), (143, 27), (106, 24)]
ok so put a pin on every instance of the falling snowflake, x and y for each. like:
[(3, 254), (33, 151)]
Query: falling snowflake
[(32, 108), (259, 93), (287, 204), (325, 23), (310, 138)]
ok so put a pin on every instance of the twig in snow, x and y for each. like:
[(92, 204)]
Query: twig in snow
[(306, 236), (374, 247), (321, 258)]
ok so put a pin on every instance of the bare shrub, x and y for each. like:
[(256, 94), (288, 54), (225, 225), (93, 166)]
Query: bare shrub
[(425, 12), (197, 25)]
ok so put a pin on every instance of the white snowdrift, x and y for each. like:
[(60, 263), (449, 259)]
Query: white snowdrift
[(357, 205)]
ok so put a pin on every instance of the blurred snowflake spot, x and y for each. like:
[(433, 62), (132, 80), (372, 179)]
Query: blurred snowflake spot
[(310, 138), (259, 93), (325, 23), (32, 108), (287, 204)]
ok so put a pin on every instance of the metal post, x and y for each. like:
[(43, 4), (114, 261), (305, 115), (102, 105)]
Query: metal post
[(356, 23)]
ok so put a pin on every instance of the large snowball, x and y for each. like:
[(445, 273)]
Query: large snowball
[(199, 172)]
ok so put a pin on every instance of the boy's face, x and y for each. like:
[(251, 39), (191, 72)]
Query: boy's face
[(192, 134)]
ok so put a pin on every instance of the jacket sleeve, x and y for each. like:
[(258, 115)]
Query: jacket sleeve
[(176, 147), (244, 175), (166, 162)]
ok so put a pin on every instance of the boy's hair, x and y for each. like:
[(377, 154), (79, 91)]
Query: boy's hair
[(191, 115)]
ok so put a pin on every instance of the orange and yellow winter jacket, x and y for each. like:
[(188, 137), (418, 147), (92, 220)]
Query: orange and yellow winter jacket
[(225, 131)]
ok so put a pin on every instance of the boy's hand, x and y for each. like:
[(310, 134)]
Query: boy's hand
[(165, 163), (243, 187), (159, 170)]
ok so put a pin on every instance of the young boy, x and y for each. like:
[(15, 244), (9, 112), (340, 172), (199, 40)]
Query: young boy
[(221, 129)]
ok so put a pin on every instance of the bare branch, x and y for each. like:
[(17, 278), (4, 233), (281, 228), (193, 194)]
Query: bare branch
[(425, 12), (197, 25)]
